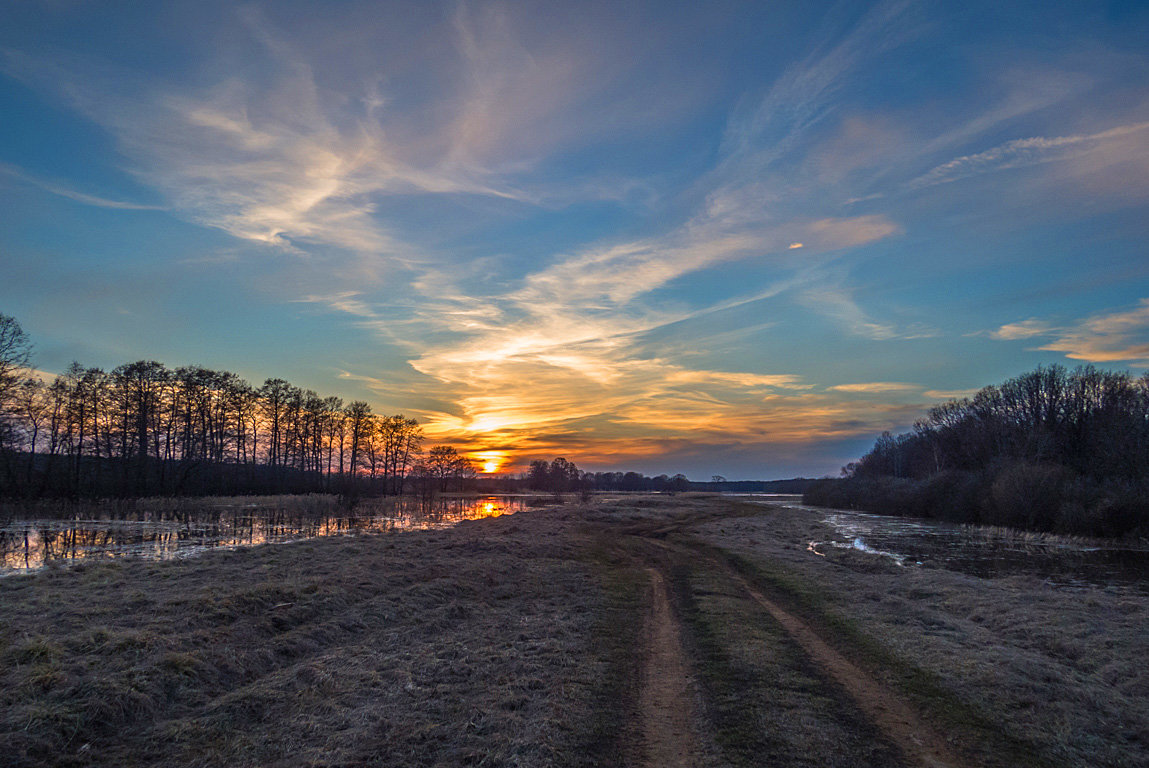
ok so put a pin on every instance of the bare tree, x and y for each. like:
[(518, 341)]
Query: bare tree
[(448, 467), (145, 429), (15, 352), (359, 429)]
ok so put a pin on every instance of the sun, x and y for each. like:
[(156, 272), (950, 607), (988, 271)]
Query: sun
[(489, 462)]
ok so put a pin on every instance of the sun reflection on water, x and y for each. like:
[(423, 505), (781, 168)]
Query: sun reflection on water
[(31, 544)]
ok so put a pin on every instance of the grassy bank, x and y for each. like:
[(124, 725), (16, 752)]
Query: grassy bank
[(466, 646), (1035, 674)]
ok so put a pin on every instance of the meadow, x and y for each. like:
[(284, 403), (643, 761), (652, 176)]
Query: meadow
[(642, 631)]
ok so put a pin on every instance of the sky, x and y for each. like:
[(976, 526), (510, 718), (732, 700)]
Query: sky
[(712, 238)]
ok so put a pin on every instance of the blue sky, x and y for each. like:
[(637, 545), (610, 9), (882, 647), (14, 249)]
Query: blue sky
[(735, 238)]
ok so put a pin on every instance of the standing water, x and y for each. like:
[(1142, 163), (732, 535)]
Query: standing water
[(167, 529), (1061, 561)]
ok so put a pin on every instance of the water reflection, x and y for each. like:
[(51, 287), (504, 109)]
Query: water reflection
[(26, 545), (986, 552)]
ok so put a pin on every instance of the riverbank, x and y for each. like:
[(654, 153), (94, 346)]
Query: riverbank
[(639, 631), (425, 648), (1044, 498), (1051, 671)]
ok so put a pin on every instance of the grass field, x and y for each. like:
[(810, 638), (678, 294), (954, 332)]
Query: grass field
[(527, 640)]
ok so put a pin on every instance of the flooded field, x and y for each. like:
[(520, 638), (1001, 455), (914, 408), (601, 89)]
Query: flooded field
[(1064, 562), (165, 530)]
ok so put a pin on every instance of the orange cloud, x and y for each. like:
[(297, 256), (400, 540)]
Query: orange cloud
[(1108, 338), (1103, 338), (876, 386)]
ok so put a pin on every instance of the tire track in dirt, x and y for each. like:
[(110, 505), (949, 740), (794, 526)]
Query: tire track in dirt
[(670, 738), (919, 742), (666, 699)]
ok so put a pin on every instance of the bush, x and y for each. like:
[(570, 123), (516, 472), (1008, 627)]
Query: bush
[(882, 495), (954, 496), (1120, 510), (1029, 496), (828, 493)]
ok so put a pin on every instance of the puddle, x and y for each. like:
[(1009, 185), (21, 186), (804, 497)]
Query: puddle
[(27, 545), (985, 552), (858, 545)]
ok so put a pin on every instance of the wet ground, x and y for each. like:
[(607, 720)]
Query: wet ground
[(1064, 562), (27, 545)]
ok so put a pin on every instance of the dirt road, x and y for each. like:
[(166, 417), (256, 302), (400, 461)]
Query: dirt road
[(669, 719), (675, 732), (920, 743)]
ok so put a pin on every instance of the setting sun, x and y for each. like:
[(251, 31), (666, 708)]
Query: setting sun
[(489, 461)]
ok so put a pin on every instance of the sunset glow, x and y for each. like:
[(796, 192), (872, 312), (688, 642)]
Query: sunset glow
[(740, 240), (489, 462)]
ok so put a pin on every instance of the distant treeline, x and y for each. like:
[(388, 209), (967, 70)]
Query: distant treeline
[(145, 429), (561, 475), (793, 485), (1050, 450)]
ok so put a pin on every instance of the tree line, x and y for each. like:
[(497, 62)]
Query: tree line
[(1051, 449), (144, 429), (562, 476)]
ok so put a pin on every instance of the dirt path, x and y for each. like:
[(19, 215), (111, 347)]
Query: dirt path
[(919, 742), (666, 699)]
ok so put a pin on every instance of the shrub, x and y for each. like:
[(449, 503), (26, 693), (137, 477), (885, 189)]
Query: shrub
[(1120, 510), (1029, 496), (954, 496)]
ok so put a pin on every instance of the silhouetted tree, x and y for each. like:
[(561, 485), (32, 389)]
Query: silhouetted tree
[(1046, 449), (15, 350), (138, 387), (145, 429), (358, 430), (448, 467)]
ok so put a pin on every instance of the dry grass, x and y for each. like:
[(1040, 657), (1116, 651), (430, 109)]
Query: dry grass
[(1060, 670), (514, 641), (768, 703), (470, 646)]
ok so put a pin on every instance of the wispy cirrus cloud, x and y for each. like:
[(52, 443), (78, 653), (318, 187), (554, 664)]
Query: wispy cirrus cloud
[(877, 387), (949, 394), (1105, 338), (1037, 150), (762, 131), (1023, 329), (287, 164), (619, 273), (837, 302), (63, 190)]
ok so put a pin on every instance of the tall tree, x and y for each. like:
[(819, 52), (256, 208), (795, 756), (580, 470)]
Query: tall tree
[(139, 386), (358, 428), (15, 351)]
